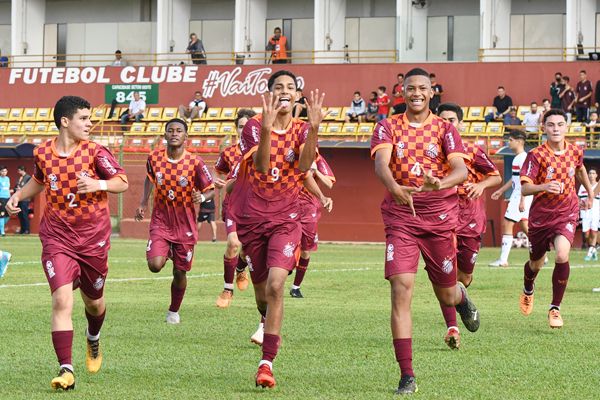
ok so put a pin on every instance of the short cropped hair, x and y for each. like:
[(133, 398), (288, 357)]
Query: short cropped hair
[(277, 74), (67, 106), (244, 113), (417, 72), (176, 120), (551, 112), (517, 134), (453, 107)]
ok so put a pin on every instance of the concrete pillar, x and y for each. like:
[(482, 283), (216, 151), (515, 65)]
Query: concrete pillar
[(330, 31), (411, 32), (172, 30), (495, 29), (249, 30), (27, 31), (580, 27)]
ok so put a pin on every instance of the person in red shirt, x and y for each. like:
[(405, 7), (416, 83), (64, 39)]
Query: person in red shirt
[(419, 158), (234, 263), (383, 103), (180, 180), (277, 150), (549, 174), (76, 175), (398, 105)]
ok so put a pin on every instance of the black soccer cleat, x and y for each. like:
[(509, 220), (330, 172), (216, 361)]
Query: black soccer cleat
[(296, 293), (407, 385), (468, 312)]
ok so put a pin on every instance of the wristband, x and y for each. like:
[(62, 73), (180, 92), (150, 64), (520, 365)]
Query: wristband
[(103, 186), (202, 198)]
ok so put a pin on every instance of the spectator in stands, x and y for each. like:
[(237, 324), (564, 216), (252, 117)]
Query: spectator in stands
[(502, 103), (196, 50), (136, 109), (567, 98), (511, 119), (3, 61), (24, 177), (194, 109), (383, 101), (300, 105), (119, 61), (593, 125), (372, 107), (555, 89), (583, 91), (438, 91), (597, 96), (278, 46), (398, 104), (532, 118), (358, 109), (546, 106)]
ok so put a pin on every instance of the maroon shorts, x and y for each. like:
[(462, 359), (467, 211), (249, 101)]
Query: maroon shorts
[(541, 237), (438, 247), (309, 219), (230, 225), (181, 254), (467, 251), (87, 272), (270, 244)]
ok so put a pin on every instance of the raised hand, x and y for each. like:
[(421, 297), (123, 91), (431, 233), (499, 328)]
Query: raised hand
[(270, 109), (314, 108)]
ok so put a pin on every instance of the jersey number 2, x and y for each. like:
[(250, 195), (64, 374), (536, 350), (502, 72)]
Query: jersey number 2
[(71, 198)]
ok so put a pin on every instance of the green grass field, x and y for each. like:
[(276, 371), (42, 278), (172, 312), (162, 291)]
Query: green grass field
[(336, 341)]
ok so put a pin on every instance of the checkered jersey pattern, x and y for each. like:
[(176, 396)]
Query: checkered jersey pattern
[(59, 176), (415, 149), (284, 176), (479, 166), (174, 181), (228, 158), (543, 165)]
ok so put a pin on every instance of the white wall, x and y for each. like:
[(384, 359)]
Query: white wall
[(537, 31), (213, 9), (365, 34), (538, 6), (438, 8), (217, 37), (249, 29), (71, 11), (290, 9), (5, 40), (330, 22), (370, 8), (303, 38)]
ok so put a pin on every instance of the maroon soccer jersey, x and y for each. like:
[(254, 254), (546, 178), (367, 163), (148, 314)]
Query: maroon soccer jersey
[(276, 192), (174, 213), (583, 89), (417, 148), (323, 167), (229, 157), (544, 165), (83, 218)]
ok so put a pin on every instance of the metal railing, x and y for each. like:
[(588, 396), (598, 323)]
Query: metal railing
[(536, 53)]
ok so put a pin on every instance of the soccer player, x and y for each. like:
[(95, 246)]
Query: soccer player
[(311, 202), (549, 174), (180, 180), (277, 150), (76, 175), (419, 158), (589, 217), (233, 262), (483, 174), (518, 205)]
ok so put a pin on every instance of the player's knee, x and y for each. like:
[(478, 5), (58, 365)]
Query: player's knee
[(156, 265), (94, 307), (562, 257), (305, 254), (62, 303), (275, 290)]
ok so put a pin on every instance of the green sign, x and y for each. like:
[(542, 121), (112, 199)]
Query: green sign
[(123, 93)]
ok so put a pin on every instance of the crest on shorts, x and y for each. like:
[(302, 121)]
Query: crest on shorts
[(570, 227), (550, 173), (443, 216), (159, 178), (432, 150), (400, 150), (447, 265), (390, 253), (472, 225), (290, 156), (99, 283), (53, 181), (183, 182), (293, 215), (50, 269), (102, 243), (288, 250), (316, 238), (474, 258), (229, 222), (189, 255)]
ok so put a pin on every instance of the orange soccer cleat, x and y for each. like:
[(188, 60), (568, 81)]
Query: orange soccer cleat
[(241, 280), (225, 298), (264, 377), (554, 319), (526, 303)]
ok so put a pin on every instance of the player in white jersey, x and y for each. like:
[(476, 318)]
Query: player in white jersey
[(518, 205), (589, 217)]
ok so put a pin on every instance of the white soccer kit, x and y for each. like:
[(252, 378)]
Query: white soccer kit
[(589, 218), (512, 211)]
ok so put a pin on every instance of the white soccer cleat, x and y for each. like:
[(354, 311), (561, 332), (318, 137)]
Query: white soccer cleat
[(498, 263), (257, 337), (172, 318)]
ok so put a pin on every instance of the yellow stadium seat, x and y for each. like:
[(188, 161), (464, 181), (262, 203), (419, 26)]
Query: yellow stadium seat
[(323, 127), (213, 128), (138, 127), (228, 128), (99, 113), (333, 113), (44, 114), (41, 127), (27, 127), (334, 128), (13, 127), (477, 127), (350, 128), (52, 128), (29, 114), (213, 114), (228, 113), (464, 128), (496, 128), (522, 110), (577, 128), (3, 127), (465, 111), (16, 114), (4, 113), (154, 114), (366, 127), (155, 127), (169, 112), (197, 128), (475, 114), (489, 110), (342, 116)]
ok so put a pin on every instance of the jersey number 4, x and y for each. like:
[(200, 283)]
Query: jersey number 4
[(416, 169)]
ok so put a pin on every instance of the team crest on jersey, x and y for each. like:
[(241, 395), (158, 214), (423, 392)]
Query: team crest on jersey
[(50, 269), (571, 172), (432, 151), (249, 262), (53, 181), (290, 156), (474, 258), (159, 178), (400, 150), (99, 283), (189, 255), (550, 173), (447, 266), (390, 253), (85, 173), (288, 250), (183, 181)]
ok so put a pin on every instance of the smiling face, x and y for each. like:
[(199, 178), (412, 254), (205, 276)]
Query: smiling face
[(175, 134), (556, 128), (78, 127), (417, 92), (284, 87)]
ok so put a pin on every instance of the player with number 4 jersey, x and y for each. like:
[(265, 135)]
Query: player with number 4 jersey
[(180, 180)]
